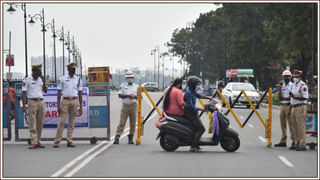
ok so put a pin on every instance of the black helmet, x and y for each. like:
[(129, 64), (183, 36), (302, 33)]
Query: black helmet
[(194, 81)]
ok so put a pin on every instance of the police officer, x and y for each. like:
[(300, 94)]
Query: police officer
[(71, 88), (299, 96), (128, 94), (34, 86), (284, 98)]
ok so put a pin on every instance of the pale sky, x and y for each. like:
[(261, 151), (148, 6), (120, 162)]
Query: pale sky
[(119, 35)]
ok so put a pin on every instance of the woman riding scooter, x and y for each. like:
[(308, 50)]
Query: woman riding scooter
[(173, 103), (191, 111)]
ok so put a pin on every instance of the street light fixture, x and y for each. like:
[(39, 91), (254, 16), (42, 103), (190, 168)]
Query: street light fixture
[(41, 17), (11, 10), (153, 52)]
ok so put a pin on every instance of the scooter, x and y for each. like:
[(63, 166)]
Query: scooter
[(176, 131)]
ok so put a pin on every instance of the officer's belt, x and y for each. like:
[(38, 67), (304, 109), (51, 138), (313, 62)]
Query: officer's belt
[(297, 105), (36, 99), (70, 98)]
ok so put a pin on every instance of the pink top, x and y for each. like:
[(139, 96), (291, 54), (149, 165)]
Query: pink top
[(176, 102)]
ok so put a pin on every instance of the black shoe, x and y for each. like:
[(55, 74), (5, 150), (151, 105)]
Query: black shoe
[(301, 149), (116, 141), (281, 145), (293, 147), (130, 141)]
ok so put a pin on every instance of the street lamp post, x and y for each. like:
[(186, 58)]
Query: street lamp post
[(41, 16), (24, 9), (153, 52), (62, 37), (52, 26)]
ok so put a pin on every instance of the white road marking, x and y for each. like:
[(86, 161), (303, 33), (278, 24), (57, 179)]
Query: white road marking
[(241, 117), (286, 161), (87, 160), (250, 125), (73, 162), (262, 139)]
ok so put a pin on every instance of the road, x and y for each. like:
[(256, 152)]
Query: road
[(252, 160)]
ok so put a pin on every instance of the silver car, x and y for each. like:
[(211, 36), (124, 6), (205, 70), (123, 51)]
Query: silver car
[(233, 89), (151, 86)]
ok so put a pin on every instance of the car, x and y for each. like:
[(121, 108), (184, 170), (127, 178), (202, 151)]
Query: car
[(233, 89), (151, 86)]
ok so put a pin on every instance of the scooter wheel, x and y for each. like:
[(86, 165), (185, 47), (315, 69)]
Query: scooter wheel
[(230, 143), (167, 145)]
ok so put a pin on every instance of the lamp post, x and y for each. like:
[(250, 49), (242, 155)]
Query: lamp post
[(52, 26), (158, 63), (41, 16), (68, 44), (62, 37), (24, 9), (153, 52)]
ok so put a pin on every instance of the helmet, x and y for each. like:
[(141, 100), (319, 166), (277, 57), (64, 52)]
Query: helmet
[(286, 73), (129, 74), (194, 81)]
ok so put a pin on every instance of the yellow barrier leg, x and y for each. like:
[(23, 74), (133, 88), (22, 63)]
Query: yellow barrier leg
[(269, 122), (153, 104), (139, 117), (228, 106)]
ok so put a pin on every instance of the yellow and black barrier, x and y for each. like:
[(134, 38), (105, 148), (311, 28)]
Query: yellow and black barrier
[(266, 124), (140, 117)]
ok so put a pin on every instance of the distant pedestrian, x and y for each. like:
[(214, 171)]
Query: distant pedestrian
[(299, 96), (128, 93), (285, 118), (33, 86), (70, 86), (12, 100)]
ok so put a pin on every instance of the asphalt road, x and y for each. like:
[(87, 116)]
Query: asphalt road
[(253, 158)]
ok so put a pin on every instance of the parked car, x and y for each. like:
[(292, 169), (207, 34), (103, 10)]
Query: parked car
[(233, 89), (151, 86)]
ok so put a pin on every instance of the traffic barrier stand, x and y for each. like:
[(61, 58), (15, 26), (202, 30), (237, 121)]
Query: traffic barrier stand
[(312, 125), (140, 117), (95, 103), (6, 121), (266, 124)]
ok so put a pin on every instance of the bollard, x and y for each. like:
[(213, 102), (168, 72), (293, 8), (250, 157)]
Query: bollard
[(138, 140), (269, 121)]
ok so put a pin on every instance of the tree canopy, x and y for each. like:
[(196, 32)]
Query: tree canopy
[(266, 37)]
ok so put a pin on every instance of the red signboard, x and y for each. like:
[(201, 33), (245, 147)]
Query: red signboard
[(10, 60)]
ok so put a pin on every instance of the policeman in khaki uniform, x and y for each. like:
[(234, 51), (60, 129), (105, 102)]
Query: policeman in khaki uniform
[(128, 94), (299, 96), (33, 86), (285, 118), (71, 88)]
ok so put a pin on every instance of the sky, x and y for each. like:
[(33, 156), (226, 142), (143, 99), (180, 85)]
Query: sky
[(119, 35)]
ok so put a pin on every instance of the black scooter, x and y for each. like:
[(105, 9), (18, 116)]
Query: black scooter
[(176, 131)]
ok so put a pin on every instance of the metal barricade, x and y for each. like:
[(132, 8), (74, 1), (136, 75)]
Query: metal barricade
[(99, 117), (6, 104)]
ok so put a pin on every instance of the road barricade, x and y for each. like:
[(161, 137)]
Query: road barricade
[(6, 107), (266, 123), (96, 114)]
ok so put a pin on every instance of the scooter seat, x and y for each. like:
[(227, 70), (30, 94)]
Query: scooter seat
[(181, 120)]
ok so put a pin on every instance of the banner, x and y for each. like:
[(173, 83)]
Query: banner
[(52, 116)]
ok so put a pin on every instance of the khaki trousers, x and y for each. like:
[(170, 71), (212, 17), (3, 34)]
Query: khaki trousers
[(36, 120), (298, 115), (131, 111), (285, 118), (69, 107)]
